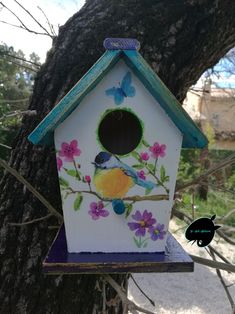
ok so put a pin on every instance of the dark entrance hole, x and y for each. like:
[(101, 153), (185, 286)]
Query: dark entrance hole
[(120, 132)]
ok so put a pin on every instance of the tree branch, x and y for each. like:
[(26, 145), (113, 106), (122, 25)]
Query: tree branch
[(41, 198), (213, 264), (40, 25), (29, 222), (21, 27), (5, 146), (19, 58), (224, 163), (224, 285), (29, 113)]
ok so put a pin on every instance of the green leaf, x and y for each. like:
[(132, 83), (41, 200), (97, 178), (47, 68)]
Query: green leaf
[(137, 242), (139, 166), (145, 143), (151, 167), (129, 208), (162, 173), (167, 178), (145, 244), (148, 191), (63, 182), (74, 173), (78, 201), (135, 155)]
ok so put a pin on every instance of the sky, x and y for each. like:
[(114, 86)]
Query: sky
[(57, 11)]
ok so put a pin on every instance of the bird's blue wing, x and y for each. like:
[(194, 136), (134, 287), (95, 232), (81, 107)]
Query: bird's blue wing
[(116, 93), (132, 173), (126, 86)]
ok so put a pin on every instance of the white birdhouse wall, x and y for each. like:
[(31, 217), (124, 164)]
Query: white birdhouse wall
[(117, 158)]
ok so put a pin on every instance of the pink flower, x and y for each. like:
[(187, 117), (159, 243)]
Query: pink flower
[(144, 156), (141, 174), (69, 150), (96, 210), (59, 163), (88, 179), (158, 150)]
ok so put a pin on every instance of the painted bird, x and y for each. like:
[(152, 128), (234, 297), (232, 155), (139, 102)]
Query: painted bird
[(113, 179)]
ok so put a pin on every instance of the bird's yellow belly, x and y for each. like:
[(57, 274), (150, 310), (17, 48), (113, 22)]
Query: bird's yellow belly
[(112, 183)]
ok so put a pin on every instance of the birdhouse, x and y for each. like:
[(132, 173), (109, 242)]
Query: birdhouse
[(118, 135)]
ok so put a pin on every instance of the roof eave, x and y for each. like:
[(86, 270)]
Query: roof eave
[(43, 133)]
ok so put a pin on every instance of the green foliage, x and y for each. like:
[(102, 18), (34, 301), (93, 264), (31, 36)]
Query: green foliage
[(78, 202), (16, 83)]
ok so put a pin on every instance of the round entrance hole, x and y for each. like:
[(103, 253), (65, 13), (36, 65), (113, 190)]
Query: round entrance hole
[(120, 132)]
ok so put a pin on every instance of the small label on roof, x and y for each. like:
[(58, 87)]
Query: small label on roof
[(121, 44)]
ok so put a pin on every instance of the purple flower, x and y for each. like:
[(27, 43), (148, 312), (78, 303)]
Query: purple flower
[(144, 156), (157, 232), (158, 150), (59, 163), (144, 221), (96, 210), (141, 174), (69, 150)]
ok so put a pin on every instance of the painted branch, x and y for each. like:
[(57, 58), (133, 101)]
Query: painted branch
[(134, 198), (131, 305), (137, 198), (41, 198)]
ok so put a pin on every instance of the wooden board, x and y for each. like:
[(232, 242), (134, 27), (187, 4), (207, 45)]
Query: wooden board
[(59, 261)]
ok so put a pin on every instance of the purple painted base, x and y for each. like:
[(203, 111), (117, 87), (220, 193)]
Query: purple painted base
[(58, 260)]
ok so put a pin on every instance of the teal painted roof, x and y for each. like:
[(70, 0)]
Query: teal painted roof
[(192, 136)]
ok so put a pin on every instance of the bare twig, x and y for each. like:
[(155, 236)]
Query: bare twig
[(24, 66), (15, 224), (39, 24), (29, 113), (224, 284), (5, 146), (48, 22), (210, 263), (229, 160), (21, 27), (21, 22), (19, 58), (125, 301), (230, 213), (39, 196), (225, 237), (147, 297), (13, 101)]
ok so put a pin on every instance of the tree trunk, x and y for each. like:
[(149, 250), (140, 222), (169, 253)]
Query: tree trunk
[(180, 39)]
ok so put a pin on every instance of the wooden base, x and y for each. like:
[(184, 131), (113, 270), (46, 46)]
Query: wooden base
[(59, 261)]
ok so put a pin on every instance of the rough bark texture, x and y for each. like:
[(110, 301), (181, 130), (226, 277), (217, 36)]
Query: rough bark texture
[(180, 39)]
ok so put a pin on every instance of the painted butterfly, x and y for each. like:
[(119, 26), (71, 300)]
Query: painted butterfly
[(125, 90)]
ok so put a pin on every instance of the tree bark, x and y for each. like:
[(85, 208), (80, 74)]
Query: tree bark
[(180, 39)]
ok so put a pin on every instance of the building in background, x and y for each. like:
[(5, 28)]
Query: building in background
[(214, 110)]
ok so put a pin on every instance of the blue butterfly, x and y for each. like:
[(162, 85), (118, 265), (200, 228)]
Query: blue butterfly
[(125, 90)]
